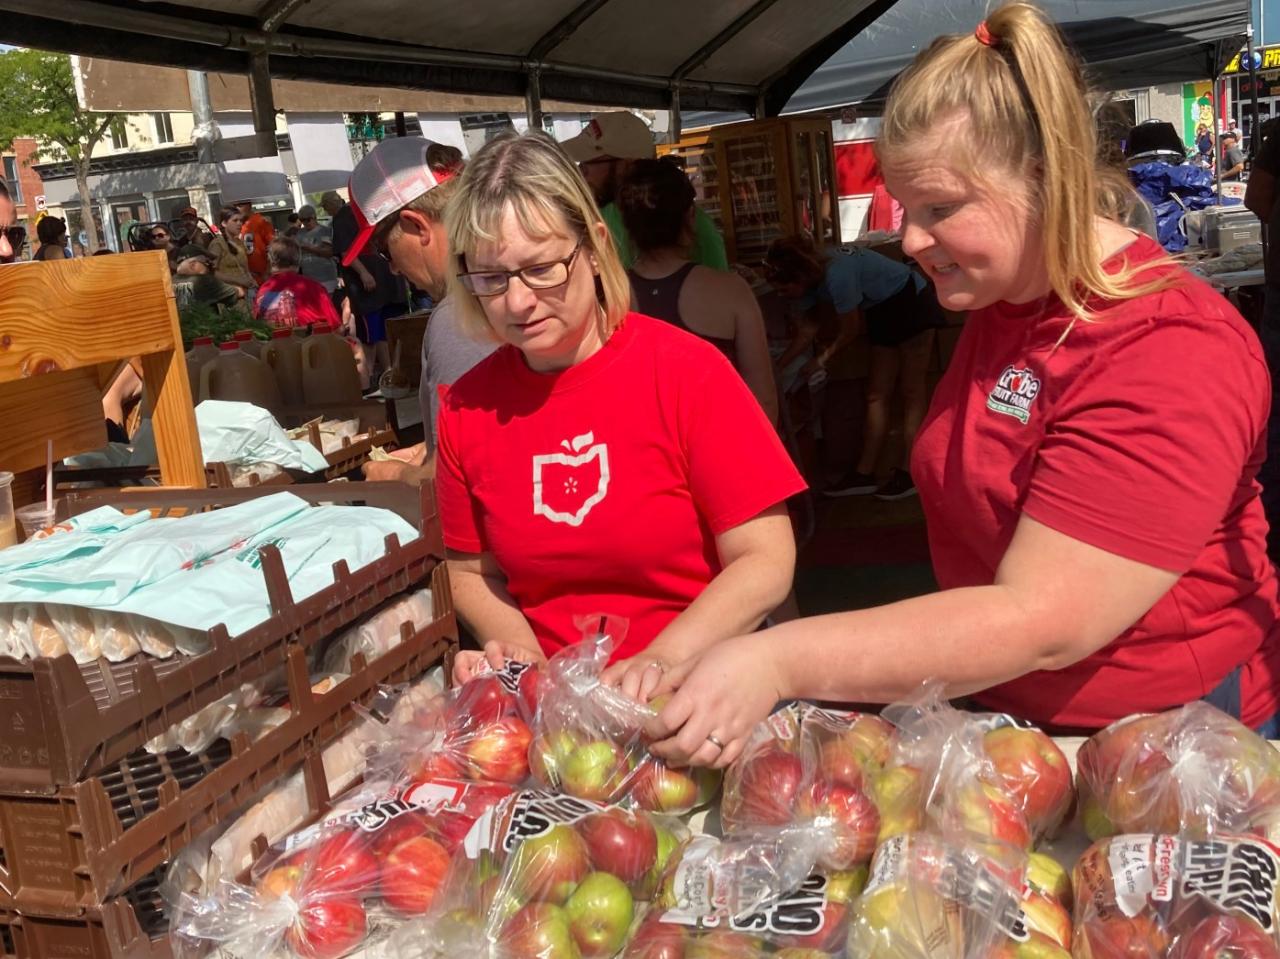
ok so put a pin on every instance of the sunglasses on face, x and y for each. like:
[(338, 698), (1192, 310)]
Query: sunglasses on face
[(16, 235), (538, 276)]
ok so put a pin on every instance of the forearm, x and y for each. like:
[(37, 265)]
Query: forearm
[(362, 271), (484, 604), (734, 603), (883, 654)]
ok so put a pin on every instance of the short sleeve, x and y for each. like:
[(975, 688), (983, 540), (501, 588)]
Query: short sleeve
[(844, 282), (738, 467), (1147, 453), (708, 244), (460, 515)]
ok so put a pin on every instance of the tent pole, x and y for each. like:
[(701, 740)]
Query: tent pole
[(263, 103), (1255, 134), (533, 99), (676, 121), (201, 113), (1217, 138)]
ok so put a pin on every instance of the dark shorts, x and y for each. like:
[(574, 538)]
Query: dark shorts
[(904, 316)]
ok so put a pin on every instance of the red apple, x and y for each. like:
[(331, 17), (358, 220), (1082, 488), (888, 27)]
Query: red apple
[(478, 702), (596, 771), (1126, 770), (1037, 946), (765, 788), (412, 875), (987, 810), (340, 864), (659, 788), (722, 944), (1035, 771), (551, 865), (408, 825), (327, 927), (830, 936), (282, 880), (499, 752), (538, 931), (857, 823), (548, 755), (656, 940), (1047, 916), (1225, 937), (528, 687), (1121, 937), (437, 762), (600, 913), (620, 842)]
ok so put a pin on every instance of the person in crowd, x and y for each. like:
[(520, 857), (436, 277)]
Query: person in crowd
[(256, 233), (294, 224), (12, 234), (1093, 518), (195, 280), (895, 306), (229, 257), (376, 295), (288, 299), (604, 152), (51, 231), (161, 239), (1204, 147), (1113, 125), (1232, 158), (315, 240), (188, 229), (633, 435), (418, 178), (657, 204)]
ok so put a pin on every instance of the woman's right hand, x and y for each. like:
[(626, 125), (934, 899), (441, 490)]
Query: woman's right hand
[(469, 663)]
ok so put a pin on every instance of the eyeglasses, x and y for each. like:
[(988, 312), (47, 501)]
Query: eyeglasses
[(539, 276)]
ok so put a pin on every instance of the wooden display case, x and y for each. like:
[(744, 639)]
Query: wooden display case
[(66, 328), (764, 179)]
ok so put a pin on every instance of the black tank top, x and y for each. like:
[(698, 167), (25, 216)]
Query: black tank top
[(660, 299)]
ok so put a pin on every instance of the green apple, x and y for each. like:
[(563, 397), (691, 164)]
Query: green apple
[(538, 931), (550, 866), (594, 771), (668, 843), (600, 913), (846, 885)]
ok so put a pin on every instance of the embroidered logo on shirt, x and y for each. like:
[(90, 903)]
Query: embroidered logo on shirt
[(566, 486), (1014, 393)]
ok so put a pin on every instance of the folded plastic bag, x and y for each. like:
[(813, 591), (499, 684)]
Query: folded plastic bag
[(589, 738), (1151, 896), (1192, 771), (235, 433), (806, 764)]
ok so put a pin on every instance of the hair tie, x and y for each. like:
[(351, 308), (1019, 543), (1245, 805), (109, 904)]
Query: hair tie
[(984, 35)]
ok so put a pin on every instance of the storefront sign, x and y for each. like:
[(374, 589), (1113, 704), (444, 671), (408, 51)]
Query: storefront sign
[(1270, 61)]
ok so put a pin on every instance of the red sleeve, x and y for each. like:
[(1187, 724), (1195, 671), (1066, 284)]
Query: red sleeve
[(459, 511), (1151, 446), (738, 467)]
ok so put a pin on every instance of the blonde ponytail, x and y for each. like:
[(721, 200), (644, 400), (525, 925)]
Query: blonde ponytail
[(1025, 104)]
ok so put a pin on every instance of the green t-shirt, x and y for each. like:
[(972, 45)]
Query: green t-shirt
[(708, 244)]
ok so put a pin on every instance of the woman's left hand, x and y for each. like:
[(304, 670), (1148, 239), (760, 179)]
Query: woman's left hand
[(638, 676), (718, 698)]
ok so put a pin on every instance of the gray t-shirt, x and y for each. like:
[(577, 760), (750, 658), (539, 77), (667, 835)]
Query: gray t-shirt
[(1234, 157), (447, 353), (323, 269)]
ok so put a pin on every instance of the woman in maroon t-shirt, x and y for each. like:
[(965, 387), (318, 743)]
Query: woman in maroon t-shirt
[(1087, 467)]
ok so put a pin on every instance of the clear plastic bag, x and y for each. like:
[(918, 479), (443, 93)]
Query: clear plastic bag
[(590, 738), (806, 764), (1151, 896), (1193, 771), (958, 774), (380, 632)]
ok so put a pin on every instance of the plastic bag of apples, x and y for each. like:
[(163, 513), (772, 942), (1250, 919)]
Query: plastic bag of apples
[(930, 897), (589, 738), (985, 775), (1193, 771), (546, 876), (803, 764), (376, 859), (1164, 897)]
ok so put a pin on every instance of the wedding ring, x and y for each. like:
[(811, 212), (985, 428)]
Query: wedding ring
[(657, 665), (715, 742)]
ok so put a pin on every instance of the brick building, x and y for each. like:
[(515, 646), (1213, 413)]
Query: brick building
[(21, 177)]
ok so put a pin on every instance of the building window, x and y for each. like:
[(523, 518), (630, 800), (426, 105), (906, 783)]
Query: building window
[(11, 178), (119, 135), (164, 128)]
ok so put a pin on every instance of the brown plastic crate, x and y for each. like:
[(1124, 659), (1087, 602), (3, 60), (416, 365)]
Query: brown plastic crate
[(62, 720), (93, 840), (131, 927), (351, 455)]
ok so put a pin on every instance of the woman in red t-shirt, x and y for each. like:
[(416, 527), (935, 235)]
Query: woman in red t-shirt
[(1087, 467), (600, 461)]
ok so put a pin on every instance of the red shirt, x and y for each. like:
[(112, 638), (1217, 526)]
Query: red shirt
[(257, 233), (1141, 435), (311, 302), (600, 489)]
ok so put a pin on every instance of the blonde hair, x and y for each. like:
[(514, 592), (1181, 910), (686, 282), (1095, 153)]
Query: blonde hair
[(1021, 99), (532, 175)]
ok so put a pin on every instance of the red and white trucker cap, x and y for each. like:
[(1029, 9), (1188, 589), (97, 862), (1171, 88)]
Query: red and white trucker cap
[(394, 173)]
